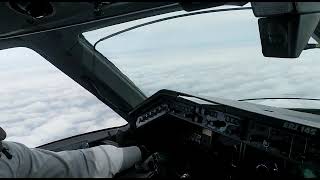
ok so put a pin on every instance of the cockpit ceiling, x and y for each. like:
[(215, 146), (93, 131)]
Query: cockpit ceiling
[(65, 14)]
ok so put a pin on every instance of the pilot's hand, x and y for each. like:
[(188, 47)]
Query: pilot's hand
[(155, 164), (145, 153), (126, 138), (148, 164)]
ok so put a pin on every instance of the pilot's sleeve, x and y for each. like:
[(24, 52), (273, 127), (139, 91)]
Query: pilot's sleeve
[(99, 161)]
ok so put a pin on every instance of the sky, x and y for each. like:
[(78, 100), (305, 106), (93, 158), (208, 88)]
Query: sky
[(217, 55)]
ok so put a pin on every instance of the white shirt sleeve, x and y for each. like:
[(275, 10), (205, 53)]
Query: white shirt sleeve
[(99, 161)]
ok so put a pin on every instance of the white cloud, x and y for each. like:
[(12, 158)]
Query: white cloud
[(216, 55), (40, 104)]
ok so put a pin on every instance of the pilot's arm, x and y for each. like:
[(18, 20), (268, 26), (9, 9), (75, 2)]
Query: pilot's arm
[(100, 161)]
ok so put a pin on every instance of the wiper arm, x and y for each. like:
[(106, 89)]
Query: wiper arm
[(165, 19), (296, 98)]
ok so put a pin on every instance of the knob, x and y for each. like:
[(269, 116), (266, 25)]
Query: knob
[(198, 119), (267, 169), (262, 170), (185, 176), (218, 124)]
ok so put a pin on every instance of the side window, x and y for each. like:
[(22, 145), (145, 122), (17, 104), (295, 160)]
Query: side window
[(40, 104)]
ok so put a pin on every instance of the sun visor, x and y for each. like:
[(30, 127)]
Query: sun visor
[(286, 27), (286, 36), (268, 9)]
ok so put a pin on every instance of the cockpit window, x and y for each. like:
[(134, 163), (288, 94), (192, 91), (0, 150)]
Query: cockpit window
[(216, 55), (40, 104)]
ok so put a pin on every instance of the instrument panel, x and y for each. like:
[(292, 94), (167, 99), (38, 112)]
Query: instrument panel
[(204, 116), (263, 133)]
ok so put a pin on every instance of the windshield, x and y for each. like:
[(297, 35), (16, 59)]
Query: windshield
[(212, 55)]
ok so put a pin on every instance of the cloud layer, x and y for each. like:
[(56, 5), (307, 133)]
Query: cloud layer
[(40, 104), (216, 55)]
